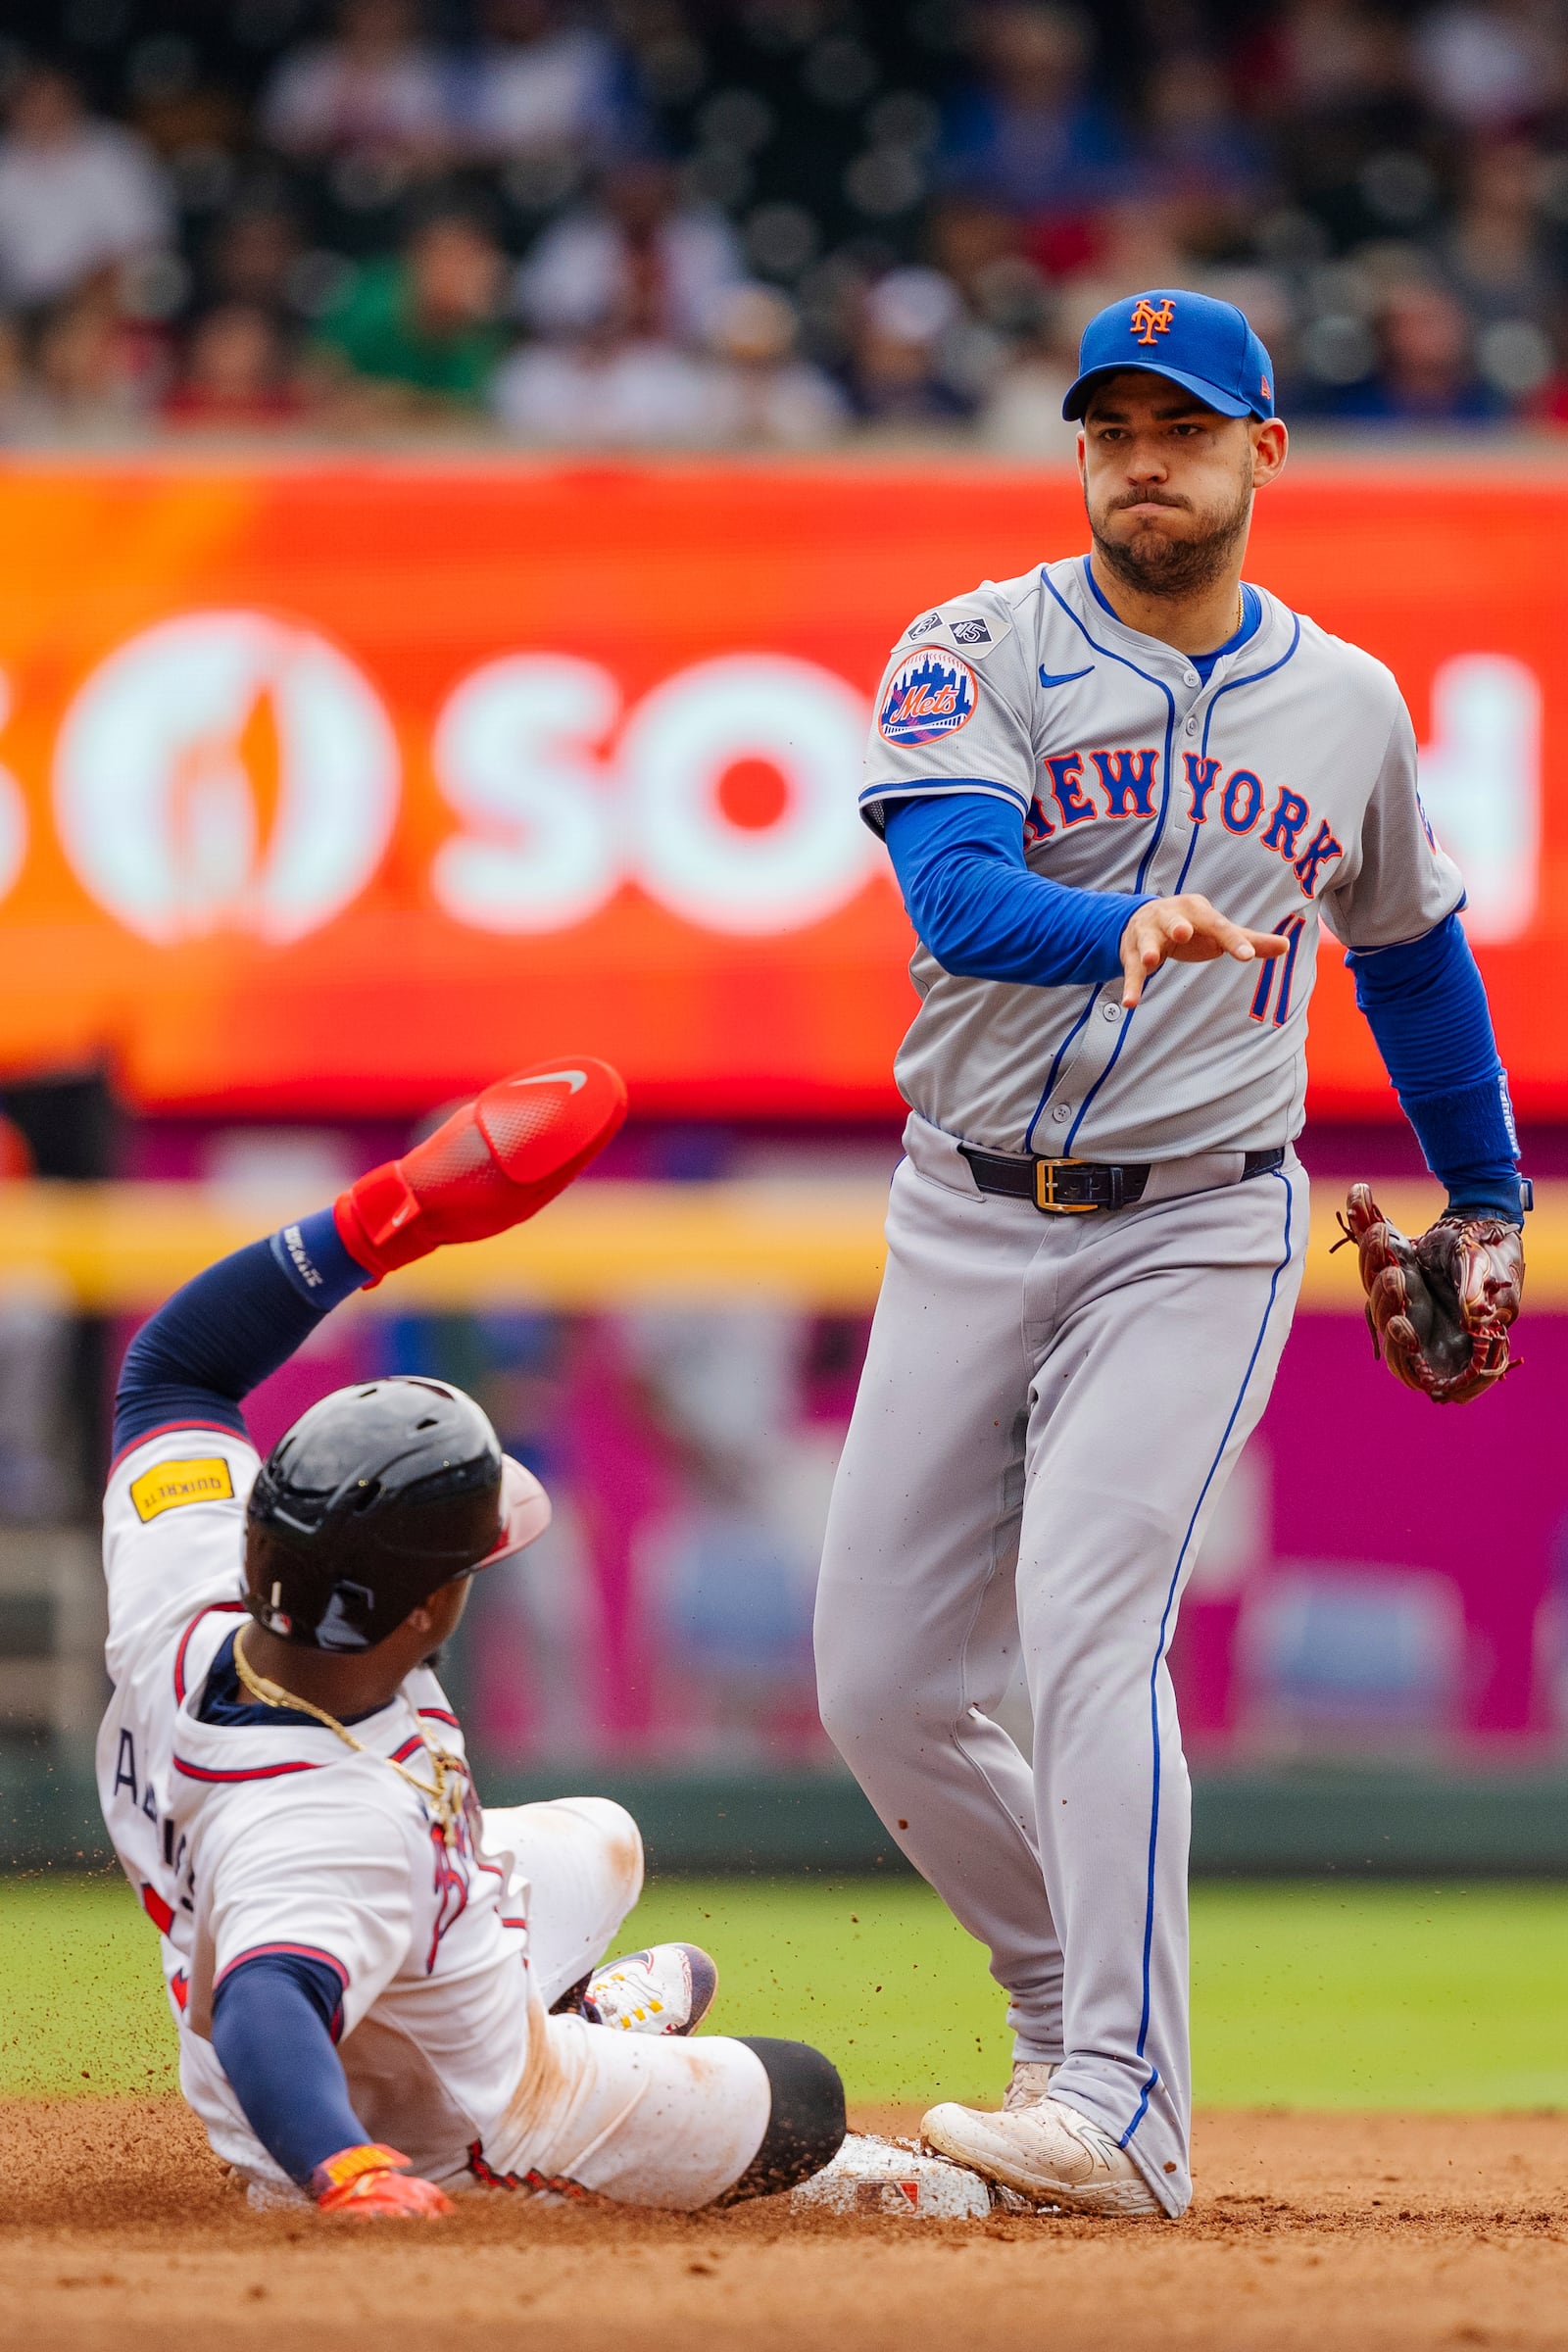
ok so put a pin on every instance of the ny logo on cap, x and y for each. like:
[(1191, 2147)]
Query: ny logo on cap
[(1147, 322)]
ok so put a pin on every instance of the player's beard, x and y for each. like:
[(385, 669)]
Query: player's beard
[(1155, 563)]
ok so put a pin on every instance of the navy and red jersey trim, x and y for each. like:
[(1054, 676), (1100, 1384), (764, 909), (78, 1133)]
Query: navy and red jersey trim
[(284, 1951), (254, 1772), (213, 1608), (416, 1746), (219, 1429), (441, 1715), (161, 1914), (556, 2184)]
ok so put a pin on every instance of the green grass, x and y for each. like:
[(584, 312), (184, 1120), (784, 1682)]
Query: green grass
[(1303, 1995), (82, 1997)]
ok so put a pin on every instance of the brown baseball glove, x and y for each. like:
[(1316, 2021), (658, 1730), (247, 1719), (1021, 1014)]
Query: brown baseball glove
[(1438, 1307)]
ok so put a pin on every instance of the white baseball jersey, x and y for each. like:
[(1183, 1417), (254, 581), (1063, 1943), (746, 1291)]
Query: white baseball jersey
[(1284, 790), (241, 1840)]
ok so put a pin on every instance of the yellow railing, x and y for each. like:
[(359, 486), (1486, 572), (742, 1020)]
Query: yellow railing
[(122, 1247)]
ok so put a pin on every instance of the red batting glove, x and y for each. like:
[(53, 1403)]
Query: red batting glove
[(493, 1163), (375, 2182)]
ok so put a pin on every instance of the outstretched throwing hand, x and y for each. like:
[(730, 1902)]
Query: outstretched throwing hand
[(1185, 930)]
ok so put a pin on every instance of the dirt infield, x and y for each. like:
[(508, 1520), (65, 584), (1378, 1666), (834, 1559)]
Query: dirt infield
[(1308, 2232)]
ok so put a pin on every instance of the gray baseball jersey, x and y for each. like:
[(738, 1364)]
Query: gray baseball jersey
[(1282, 790), (991, 1509)]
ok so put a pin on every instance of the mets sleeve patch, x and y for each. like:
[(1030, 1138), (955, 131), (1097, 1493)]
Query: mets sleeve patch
[(931, 694)]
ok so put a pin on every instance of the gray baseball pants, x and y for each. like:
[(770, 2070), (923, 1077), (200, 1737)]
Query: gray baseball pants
[(1048, 1410)]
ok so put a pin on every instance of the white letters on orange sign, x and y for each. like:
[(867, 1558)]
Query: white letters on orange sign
[(1480, 783), (553, 829), (224, 769), (516, 753), (798, 719)]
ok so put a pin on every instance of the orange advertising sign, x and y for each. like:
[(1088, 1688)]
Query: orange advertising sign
[(337, 787)]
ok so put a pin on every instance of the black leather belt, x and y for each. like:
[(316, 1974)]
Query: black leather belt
[(1073, 1188)]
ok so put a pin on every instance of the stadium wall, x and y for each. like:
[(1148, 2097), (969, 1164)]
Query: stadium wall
[(330, 788)]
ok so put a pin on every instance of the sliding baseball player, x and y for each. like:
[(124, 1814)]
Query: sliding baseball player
[(387, 1994)]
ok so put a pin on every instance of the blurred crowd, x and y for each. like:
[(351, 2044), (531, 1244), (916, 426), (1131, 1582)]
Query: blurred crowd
[(743, 223)]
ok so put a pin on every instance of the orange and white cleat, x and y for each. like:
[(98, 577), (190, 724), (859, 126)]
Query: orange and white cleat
[(669, 1988)]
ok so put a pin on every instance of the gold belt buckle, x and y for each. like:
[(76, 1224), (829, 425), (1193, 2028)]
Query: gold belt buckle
[(1045, 1189)]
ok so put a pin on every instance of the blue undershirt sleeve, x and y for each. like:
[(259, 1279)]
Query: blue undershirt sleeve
[(274, 2024), (1426, 1005), (981, 912), (214, 1341)]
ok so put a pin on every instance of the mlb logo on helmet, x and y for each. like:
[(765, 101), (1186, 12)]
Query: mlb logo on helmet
[(930, 695)]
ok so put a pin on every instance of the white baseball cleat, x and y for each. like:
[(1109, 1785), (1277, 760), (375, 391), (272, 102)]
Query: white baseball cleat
[(1046, 2151), (1029, 2085), (668, 1989)]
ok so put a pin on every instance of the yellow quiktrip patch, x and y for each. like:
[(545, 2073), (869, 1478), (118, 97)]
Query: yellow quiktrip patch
[(174, 1483)]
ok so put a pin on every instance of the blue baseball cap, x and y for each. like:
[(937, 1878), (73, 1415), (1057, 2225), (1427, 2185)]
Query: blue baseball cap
[(1203, 345)]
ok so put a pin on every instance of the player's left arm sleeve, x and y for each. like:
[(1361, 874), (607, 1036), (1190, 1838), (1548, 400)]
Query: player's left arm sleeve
[(1426, 1005), (1394, 902), (982, 914), (217, 1339), (276, 2022), (495, 1161)]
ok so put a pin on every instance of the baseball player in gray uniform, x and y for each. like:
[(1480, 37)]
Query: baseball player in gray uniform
[(1121, 793)]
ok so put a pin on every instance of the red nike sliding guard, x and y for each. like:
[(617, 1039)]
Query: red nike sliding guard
[(495, 1162)]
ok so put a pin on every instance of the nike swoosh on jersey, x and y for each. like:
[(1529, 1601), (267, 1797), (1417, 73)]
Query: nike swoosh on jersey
[(1067, 678), (576, 1079)]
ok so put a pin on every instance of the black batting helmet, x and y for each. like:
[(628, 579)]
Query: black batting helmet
[(376, 1497)]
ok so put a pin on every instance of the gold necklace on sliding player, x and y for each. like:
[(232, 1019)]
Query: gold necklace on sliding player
[(445, 1798)]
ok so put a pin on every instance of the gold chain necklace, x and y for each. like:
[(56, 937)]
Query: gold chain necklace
[(445, 1799)]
